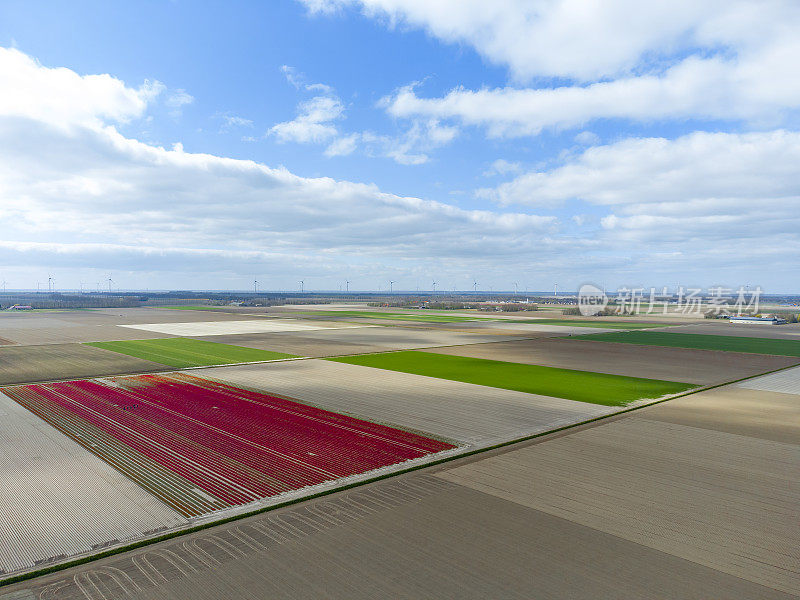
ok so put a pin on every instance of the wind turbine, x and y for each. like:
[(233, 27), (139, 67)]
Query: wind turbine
[(391, 288), (302, 285), (255, 286), (555, 290), (516, 288), (347, 285), (50, 282), (110, 281), (4, 286), (475, 287), (434, 288)]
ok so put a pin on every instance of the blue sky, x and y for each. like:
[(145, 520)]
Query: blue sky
[(530, 142), (229, 58)]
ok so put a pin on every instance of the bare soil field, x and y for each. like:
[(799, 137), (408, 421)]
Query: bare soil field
[(416, 536), (724, 500), (704, 367), (105, 325), (450, 409), (25, 364), (58, 499), (403, 338), (786, 382), (737, 409), (298, 345)]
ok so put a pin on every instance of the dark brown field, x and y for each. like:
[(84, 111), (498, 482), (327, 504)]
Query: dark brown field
[(704, 367), (27, 364)]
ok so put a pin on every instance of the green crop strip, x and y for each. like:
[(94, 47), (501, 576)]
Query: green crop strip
[(183, 352), (584, 386), (699, 341)]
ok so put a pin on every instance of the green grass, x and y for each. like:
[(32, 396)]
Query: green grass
[(600, 323), (410, 316), (584, 386), (701, 342), (185, 352)]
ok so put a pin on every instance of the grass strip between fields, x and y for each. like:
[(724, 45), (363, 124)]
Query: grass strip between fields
[(599, 323), (699, 341), (187, 352), (583, 386)]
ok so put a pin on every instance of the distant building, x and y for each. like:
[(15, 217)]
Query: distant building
[(758, 321)]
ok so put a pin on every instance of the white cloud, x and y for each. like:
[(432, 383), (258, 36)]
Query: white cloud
[(757, 92), (179, 98), (343, 146), (81, 194), (27, 91), (619, 59), (292, 75), (713, 196), (750, 166), (299, 80), (584, 40), (234, 121), (411, 147), (502, 167), (76, 194), (587, 138), (314, 121)]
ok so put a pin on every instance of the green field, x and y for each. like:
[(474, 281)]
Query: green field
[(366, 314), (584, 386), (185, 352), (599, 323), (699, 341)]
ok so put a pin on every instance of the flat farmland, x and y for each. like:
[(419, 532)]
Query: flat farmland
[(723, 500), (202, 328), (786, 382), (401, 338), (525, 327), (701, 367), (596, 323), (299, 345), (738, 410), (583, 386), (371, 539), (777, 332), (451, 409), (183, 352), (76, 326), (22, 364), (727, 343), (421, 316), (59, 500), (232, 446)]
